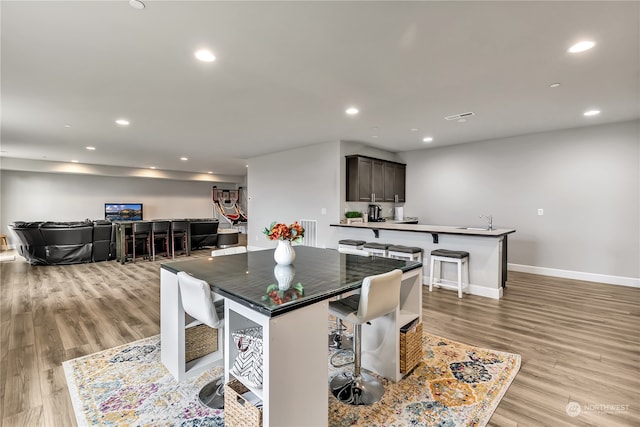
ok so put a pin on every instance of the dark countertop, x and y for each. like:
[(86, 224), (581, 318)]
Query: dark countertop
[(322, 274)]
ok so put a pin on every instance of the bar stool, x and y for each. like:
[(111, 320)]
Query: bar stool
[(379, 295), (198, 302), (140, 230), (376, 249), (180, 230), (160, 230), (410, 253), (350, 246), (227, 237), (445, 255)]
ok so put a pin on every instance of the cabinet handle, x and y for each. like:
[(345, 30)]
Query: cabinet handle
[(395, 198)]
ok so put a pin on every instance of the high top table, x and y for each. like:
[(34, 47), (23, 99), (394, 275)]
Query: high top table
[(295, 368)]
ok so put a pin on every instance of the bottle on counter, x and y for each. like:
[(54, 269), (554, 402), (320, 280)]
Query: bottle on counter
[(365, 217)]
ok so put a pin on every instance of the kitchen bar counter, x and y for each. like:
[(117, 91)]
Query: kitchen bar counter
[(434, 230), (487, 249)]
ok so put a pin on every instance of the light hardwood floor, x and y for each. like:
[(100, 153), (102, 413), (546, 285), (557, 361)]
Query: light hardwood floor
[(579, 341)]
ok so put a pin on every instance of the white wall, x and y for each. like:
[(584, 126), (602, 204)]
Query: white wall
[(292, 185), (587, 180), (33, 196)]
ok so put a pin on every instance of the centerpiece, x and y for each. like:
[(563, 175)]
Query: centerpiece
[(284, 234)]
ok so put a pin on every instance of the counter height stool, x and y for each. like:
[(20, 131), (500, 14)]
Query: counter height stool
[(198, 302), (410, 253), (350, 245), (180, 230), (160, 230), (379, 296), (139, 230), (445, 255), (376, 249)]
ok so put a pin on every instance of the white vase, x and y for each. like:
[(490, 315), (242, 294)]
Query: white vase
[(284, 253), (284, 275)]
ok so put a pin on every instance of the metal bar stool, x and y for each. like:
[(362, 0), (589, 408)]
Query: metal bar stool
[(445, 255), (379, 295)]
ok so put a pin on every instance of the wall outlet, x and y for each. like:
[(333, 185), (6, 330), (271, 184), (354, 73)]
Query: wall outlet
[(540, 212), (323, 211)]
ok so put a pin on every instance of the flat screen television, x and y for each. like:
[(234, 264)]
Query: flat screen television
[(123, 211)]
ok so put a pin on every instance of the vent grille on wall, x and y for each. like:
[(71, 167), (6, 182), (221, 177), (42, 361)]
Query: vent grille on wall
[(310, 232), (459, 116)]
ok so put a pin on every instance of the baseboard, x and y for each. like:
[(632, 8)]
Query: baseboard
[(576, 275), (481, 291)]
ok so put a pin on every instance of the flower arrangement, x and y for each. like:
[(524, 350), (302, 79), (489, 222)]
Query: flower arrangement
[(280, 231), (277, 296)]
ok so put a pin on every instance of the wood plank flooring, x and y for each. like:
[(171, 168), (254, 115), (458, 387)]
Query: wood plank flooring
[(579, 341)]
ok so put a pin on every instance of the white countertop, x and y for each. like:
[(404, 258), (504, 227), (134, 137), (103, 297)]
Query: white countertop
[(433, 229)]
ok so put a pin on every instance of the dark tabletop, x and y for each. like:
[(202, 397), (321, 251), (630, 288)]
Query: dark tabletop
[(249, 278)]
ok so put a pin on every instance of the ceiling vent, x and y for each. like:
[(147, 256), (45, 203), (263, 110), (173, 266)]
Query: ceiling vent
[(459, 116)]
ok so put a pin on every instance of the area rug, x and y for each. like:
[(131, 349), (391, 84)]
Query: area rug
[(454, 385)]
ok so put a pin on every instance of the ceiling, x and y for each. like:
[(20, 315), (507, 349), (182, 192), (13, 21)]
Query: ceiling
[(286, 72)]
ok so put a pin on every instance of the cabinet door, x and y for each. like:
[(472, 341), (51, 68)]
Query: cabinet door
[(400, 183), (390, 182), (359, 179), (377, 181)]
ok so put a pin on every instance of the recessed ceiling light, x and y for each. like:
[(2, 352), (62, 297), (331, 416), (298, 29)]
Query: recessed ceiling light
[(90, 148), (67, 125), (592, 113), (582, 46), (136, 4), (554, 85), (414, 129), (352, 111), (122, 122), (205, 55), (427, 139), (210, 172), (184, 159), (75, 161), (152, 167)]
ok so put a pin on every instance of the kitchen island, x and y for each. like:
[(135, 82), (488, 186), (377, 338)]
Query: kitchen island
[(294, 323), (487, 248)]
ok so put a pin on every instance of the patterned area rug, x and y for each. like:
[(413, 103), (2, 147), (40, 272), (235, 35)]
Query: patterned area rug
[(454, 385)]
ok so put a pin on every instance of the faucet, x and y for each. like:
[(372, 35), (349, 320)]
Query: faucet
[(490, 218)]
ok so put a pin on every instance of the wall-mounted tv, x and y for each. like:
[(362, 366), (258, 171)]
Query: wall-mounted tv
[(123, 211)]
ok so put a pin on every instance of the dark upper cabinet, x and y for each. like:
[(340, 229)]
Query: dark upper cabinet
[(374, 180)]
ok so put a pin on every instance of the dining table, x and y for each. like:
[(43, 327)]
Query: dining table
[(290, 303)]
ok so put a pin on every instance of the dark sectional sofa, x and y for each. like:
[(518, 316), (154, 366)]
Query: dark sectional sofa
[(57, 242), (87, 241)]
